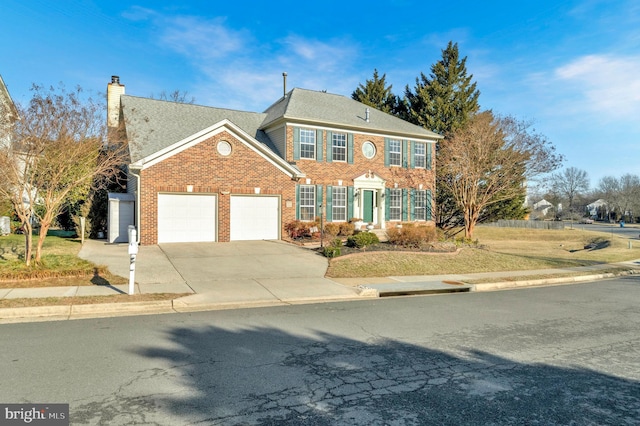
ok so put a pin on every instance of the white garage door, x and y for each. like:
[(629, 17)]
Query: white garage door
[(186, 218), (255, 218)]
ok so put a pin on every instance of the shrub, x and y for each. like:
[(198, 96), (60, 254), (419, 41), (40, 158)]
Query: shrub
[(346, 229), (333, 249), (331, 229), (362, 239), (297, 229), (411, 235)]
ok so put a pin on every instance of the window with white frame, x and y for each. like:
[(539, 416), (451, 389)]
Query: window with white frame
[(420, 205), (395, 204), (339, 204), (307, 143), (395, 152), (307, 202), (339, 147), (420, 155)]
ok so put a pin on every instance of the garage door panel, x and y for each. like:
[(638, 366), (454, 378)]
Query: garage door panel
[(186, 218), (255, 218)]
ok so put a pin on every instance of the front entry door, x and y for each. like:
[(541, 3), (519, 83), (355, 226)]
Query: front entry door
[(367, 206)]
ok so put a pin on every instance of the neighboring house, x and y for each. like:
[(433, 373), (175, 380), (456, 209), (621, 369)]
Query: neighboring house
[(210, 174), (8, 112), (542, 207), (598, 206)]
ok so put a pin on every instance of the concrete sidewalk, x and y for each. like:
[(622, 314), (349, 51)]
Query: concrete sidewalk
[(254, 274)]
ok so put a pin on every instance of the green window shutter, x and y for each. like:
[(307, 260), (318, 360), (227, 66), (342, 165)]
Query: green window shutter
[(349, 202), (386, 152), (297, 202), (412, 154), (404, 204), (428, 156), (350, 148), (404, 153), (319, 145), (429, 206), (329, 203), (412, 205), (387, 203), (329, 146), (318, 199), (296, 143)]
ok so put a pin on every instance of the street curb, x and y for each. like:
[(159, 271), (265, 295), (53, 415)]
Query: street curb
[(503, 285), (99, 310), (96, 310)]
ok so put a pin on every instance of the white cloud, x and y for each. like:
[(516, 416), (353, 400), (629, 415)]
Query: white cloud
[(604, 84), (201, 39)]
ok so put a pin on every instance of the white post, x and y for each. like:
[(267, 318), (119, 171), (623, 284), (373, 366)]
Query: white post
[(133, 251)]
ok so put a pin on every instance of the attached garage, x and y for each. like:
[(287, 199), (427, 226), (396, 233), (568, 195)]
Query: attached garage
[(186, 218), (255, 217)]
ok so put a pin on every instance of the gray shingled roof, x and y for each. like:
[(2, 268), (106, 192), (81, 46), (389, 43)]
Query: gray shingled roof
[(153, 125), (338, 110)]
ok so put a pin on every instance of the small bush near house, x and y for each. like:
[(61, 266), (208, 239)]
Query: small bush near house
[(362, 239), (411, 235), (333, 249), (346, 229), (297, 229), (331, 230)]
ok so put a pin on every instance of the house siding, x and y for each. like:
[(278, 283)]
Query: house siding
[(327, 174), (278, 137), (211, 173)]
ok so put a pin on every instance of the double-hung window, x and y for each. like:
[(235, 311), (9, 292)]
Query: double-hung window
[(339, 147), (420, 155), (420, 205), (307, 144), (307, 202), (339, 206), (395, 204), (395, 152)]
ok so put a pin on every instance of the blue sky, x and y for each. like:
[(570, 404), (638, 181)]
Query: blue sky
[(573, 67)]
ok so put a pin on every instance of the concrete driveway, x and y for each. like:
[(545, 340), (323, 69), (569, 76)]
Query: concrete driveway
[(252, 272), (234, 273)]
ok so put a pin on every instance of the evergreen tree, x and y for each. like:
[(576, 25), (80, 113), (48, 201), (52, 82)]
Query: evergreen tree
[(377, 94), (444, 101)]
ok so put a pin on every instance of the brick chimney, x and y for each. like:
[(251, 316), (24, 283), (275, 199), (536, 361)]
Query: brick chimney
[(114, 91)]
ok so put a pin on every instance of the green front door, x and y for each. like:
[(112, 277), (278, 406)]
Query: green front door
[(367, 206)]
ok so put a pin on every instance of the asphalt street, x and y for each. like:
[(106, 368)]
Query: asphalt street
[(554, 356)]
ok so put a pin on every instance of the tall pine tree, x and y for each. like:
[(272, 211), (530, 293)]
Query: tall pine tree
[(444, 101), (377, 94)]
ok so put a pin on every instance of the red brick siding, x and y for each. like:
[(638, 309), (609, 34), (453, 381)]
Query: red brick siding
[(209, 172), (324, 173)]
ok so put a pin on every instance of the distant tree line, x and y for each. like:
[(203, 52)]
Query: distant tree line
[(569, 192)]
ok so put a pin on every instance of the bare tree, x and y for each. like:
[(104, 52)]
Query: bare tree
[(487, 161), (570, 184), (57, 152), (181, 97)]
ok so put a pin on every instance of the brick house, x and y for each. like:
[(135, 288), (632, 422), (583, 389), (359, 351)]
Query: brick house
[(210, 174)]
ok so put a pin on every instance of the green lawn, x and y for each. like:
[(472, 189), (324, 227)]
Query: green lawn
[(59, 259), (499, 249)]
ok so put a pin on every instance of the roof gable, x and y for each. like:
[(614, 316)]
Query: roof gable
[(153, 125), (6, 103)]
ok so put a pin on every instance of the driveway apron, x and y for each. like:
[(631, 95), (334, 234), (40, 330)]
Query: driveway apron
[(251, 271)]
